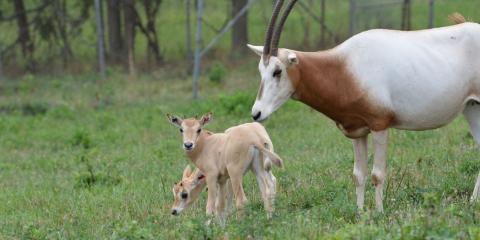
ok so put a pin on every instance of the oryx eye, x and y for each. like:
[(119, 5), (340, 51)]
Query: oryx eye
[(181, 130), (277, 73), (199, 130), (184, 195)]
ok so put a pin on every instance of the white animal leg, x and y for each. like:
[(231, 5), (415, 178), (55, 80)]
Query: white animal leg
[(262, 180), (360, 146), (472, 114), (379, 171), (221, 203)]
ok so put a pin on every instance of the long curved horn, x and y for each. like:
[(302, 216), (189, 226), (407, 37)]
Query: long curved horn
[(278, 30), (269, 33)]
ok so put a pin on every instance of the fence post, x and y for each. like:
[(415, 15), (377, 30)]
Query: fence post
[(100, 40), (188, 34), (198, 45), (431, 13), (351, 24), (1, 67), (406, 16), (322, 25)]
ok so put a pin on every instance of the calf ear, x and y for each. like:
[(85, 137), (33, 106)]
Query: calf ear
[(187, 172), (206, 119), (174, 120)]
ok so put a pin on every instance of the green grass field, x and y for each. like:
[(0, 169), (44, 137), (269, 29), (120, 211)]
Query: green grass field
[(82, 159)]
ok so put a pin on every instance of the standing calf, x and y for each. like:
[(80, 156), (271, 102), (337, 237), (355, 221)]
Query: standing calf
[(228, 155)]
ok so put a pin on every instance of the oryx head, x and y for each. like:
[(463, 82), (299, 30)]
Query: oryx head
[(190, 129), (187, 190), (276, 86)]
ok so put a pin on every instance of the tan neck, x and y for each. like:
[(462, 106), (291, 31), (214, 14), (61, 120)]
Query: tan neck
[(322, 81), (199, 146)]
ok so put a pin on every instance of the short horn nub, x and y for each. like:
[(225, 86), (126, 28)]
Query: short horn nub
[(278, 29), (270, 28)]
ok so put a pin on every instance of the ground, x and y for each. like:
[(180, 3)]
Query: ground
[(83, 158)]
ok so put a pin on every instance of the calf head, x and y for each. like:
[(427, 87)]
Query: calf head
[(187, 190), (190, 128)]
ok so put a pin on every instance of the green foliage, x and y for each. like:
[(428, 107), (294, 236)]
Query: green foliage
[(217, 72)]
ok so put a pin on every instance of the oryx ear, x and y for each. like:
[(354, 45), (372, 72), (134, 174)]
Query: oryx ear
[(187, 172), (199, 176), (205, 119), (292, 58), (256, 49), (174, 120)]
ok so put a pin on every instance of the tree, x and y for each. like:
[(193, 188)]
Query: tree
[(24, 34), (100, 40), (240, 32), (129, 19), (149, 29), (115, 36)]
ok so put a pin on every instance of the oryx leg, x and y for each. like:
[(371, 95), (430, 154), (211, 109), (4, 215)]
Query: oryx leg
[(379, 172), (238, 192), (212, 185), (472, 114), (221, 202), (360, 171), (265, 182)]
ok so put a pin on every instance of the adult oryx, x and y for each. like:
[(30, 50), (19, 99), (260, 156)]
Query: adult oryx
[(376, 80)]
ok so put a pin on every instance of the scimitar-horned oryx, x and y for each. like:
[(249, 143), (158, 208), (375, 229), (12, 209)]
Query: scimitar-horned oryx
[(374, 81)]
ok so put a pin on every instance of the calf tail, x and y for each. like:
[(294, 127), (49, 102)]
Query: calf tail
[(456, 18), (269, 157)]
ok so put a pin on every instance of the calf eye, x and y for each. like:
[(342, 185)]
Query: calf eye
[(199, 130), (181, 130), (184, 195), (277, 73)]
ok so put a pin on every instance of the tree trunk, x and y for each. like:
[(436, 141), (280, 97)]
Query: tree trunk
[(188, 29), (100, 38), (239, 33), (129, 17), (24, 34), (61, 21), (1, 68), (115, 37)]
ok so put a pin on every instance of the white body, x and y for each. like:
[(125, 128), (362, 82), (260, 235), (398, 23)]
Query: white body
[(424, 77), (381, 79)]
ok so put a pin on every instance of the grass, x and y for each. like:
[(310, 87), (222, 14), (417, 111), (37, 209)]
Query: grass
[(83, 158)]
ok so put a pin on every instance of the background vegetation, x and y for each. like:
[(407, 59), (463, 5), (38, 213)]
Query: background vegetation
[(85, 158)]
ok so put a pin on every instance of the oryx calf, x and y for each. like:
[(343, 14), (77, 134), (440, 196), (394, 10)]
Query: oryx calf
[(228, 155), (187, 191)]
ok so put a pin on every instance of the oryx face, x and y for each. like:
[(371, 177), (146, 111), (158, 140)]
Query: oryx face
[(276, 86), (187, 190)]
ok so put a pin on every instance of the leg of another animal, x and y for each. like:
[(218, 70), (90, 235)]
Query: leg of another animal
[(379, 172), (472, 114), (264, 181), (221, 203), (237, 186), (360, 146)]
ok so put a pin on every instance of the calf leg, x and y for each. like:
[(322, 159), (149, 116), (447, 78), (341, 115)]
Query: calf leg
[(221, 202), (379, 172), (472, 114), (237, 187), (360, 146), (212, 194)]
